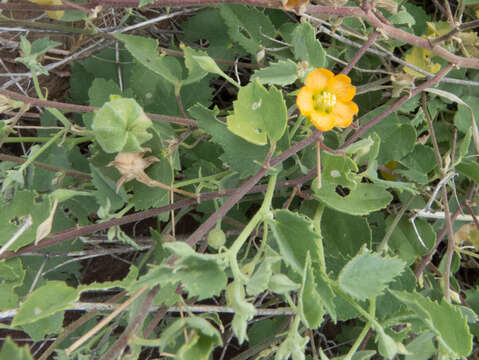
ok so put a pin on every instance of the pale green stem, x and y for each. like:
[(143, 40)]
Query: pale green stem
[(203, 178), (364, 332), (248, 229), (44, 139), (363, 312), (317, 224), (37, 153)]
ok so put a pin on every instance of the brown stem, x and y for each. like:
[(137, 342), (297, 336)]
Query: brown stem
[(436, 79), (84, 108), (72, 173), (133, 327), (247, 186), (360, 53), (450, 244), (87, 229)]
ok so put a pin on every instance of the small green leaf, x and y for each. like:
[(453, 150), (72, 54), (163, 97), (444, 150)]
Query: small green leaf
[(296, 237), (367, 274), (398, 144), (10, 350), (309, 300), (444, 319), (363, 200), (405, 242), (279, 73), (248, 27), (31, 52), (47, 300), (209, 65), (470, 169), (195, 71), (105, 193), (258, 282), (49, 325), (145, 50), (281, 284), (422, 347), (344, 234), (121, 126), (14, 213), (201, 274), (306, 47), (339, 170), (241, 155), (259, 114)]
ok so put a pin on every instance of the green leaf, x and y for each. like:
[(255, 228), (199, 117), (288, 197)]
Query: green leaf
[(100, 91), (422, 347), (279, 73), (281, 284), (243, 27), (41, 304), (362, 200), (310, 306), (8, 298), (398, 144), (49, 325), (419, 162), (207, 24), (338, 170), (204, 338), (238, 153), (195, 71), (402, 17), (10, 350), (405, 242), (367, 274), (146, 197), (121, 126), (201, 275), (372, 174), (259, 114), (296, 237), (106, 194), (13, 215), (31, 52), (258, 282), (470, 169), (306, 47), (244, 311), (145, 50), (324, 290), (344, 234), (387, 346), (444, 319), (209, 65)]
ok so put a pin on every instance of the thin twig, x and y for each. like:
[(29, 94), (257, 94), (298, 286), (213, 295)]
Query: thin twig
[(361, 52)]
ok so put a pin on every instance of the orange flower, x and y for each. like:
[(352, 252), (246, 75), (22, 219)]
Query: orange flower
[(326, 100)]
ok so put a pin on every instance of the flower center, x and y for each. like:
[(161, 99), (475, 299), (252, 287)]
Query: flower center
[(324, 101)]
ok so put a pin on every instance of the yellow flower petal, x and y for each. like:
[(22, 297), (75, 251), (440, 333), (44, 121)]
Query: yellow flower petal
[(318, 79), (304, 100), (322, 121), (343, 113), (340, 85)]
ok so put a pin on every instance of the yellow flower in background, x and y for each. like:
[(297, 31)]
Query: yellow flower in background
[(57, 15), (326, 100)]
